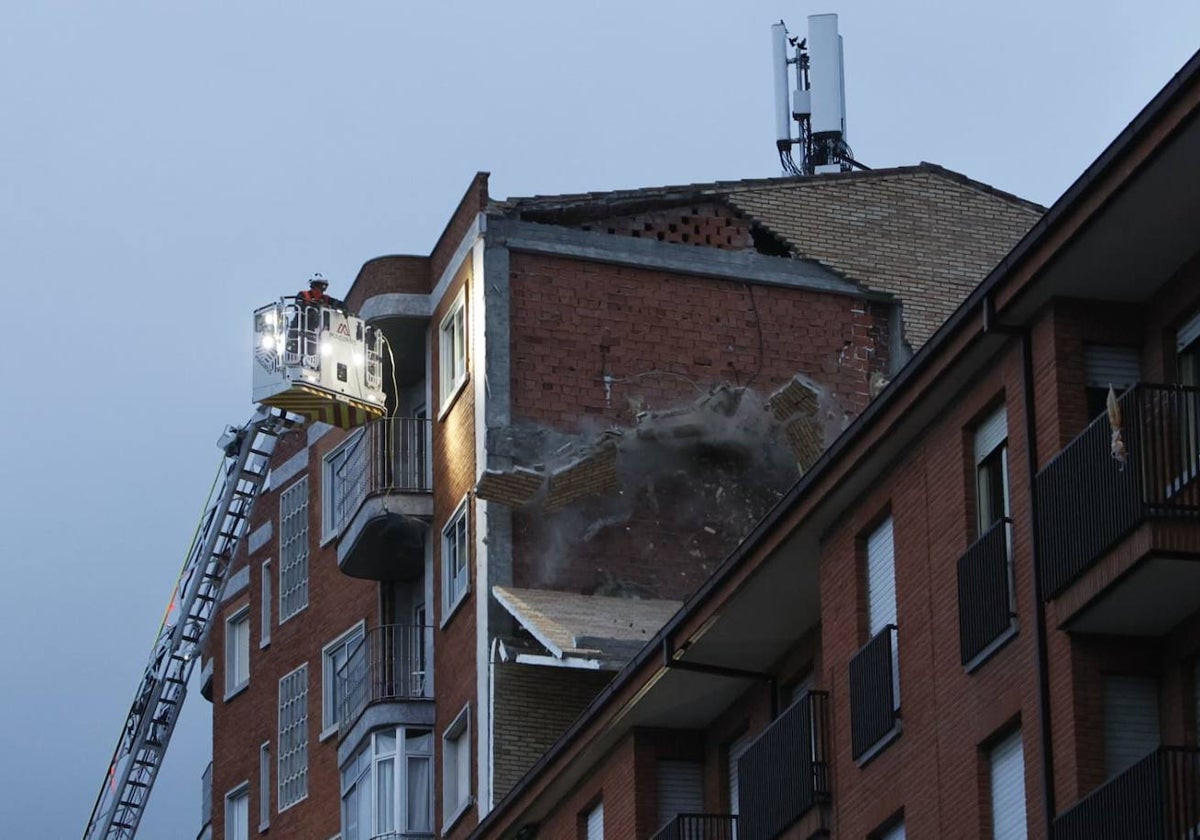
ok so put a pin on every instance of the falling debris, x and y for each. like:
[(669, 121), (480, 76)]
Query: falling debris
[(1115, 422), (514, 487), (593, 474)]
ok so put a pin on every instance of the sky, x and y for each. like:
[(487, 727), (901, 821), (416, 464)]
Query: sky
[(166, 167)]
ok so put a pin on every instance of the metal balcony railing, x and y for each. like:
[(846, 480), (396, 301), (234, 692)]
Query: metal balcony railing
[(389, 456), (785, 772), (405, 835), (699, 827), (1155, 799), (391, 663), (1088, 499), (873, 692), (206, 797), (985, 602)]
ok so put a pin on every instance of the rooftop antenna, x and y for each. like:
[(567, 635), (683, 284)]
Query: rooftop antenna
[(817, 103)]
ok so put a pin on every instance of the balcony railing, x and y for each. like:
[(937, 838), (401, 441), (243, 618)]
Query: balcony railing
[(985, 606), (785, 772), (1155, 799), (1088, 499), (390, 456), (404, 835), (389, 664), (873, 692), (699, 827), (206, 797)]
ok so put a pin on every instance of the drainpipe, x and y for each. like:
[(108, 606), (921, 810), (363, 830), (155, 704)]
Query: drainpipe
[(990, 326)]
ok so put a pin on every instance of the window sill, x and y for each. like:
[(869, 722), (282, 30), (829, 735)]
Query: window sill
[(283, 620), (238, 689), (453, 609), (326, 734), (880, 745), (451, 396), (992, 649), (291, 805), (457, 815), (262, 827), (265, 643)]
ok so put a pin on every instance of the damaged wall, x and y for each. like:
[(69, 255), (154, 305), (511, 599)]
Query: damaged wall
[(640, 472)]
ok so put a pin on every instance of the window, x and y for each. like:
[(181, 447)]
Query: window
[(454, 561), (237, 652), (735, 751), (894, 831), (333, 656), (991, 470), (680, 789), (452, 343), (264, 786), (1131, 724), (1006, 766), (293, 737), (237, 813), (881, 594), (456, 767), (1106, 366), (293, 550), (593, 823), (267, 597), (1187, 352), (387, 786), (343, 472)]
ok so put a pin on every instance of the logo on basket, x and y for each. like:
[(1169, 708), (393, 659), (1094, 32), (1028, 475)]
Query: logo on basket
[(343, 329)]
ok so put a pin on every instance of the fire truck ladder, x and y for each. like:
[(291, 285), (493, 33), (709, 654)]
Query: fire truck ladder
[(147, 732)]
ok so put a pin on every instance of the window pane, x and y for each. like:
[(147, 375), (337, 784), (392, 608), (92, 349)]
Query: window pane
[(293, 549), (385, 795), (420, 794)]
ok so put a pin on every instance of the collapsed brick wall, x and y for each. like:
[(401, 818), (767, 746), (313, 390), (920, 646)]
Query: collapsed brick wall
[(596, 346), (711, 225), (534, 706)]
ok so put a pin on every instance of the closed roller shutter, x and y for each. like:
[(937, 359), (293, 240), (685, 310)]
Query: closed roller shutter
[(595, 823), (881, 594), (1131, 728), (1008, 789), (1105, 365), (680, 789), (991, 433)]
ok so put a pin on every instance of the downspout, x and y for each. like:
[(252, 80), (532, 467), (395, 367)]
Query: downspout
[(990, 326)]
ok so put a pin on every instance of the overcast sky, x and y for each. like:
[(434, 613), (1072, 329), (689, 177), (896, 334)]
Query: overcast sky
[(165, 167)]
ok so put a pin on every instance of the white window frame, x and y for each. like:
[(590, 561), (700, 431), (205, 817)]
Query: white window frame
[(329, 531), (364, 768), (264, 638), (452, 353), (882, 609), (242, 792), (596, 812), (237, 651), (1006, 824), (300, 538), (329, 717), (284, 733), (264, 786), (452, 599), (456, 741)]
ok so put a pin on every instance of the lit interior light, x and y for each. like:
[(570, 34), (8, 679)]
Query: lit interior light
[(268, 342), (270, 319), (326, 348), (358, 359)]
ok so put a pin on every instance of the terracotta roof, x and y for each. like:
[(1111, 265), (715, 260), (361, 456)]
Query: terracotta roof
[(922, 233), (570, 624)]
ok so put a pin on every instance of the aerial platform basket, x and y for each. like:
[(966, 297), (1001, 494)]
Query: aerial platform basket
[(322, 363)]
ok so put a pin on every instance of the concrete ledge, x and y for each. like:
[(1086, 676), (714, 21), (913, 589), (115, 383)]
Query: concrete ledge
[(383, 714)]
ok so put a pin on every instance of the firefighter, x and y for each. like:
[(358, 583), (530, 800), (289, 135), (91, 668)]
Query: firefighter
[(310, 302), (315, 294)]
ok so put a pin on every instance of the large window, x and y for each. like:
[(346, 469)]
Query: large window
[(333, 656), (1006, 771), (454, 561), (342, 484), (452, 341), (293, 737), (881, 594), (387, 786), (293, 550), (456, 767), (237, 813), (237, 652)]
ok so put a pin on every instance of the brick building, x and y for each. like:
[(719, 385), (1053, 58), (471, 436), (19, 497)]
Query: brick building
[(594, 399), (978, 613)]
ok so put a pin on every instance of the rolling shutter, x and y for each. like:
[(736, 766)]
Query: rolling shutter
[(680, 789), (881, 594), (1105, 365), (736, 748), (991, 433), (1008, 789), (1130, 720)]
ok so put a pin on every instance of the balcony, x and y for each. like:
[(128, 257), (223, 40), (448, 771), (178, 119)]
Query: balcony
[(1118, 537), (699, 827), (206, 803), (785, 772), (874, 695), (985, 602), (389, 668), (1159, 797), (379, 499)]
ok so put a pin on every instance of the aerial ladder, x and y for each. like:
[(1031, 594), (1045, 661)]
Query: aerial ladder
[(310, 362)]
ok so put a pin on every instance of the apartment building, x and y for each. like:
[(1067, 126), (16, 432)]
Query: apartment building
[(978, 613), (592, 399)]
